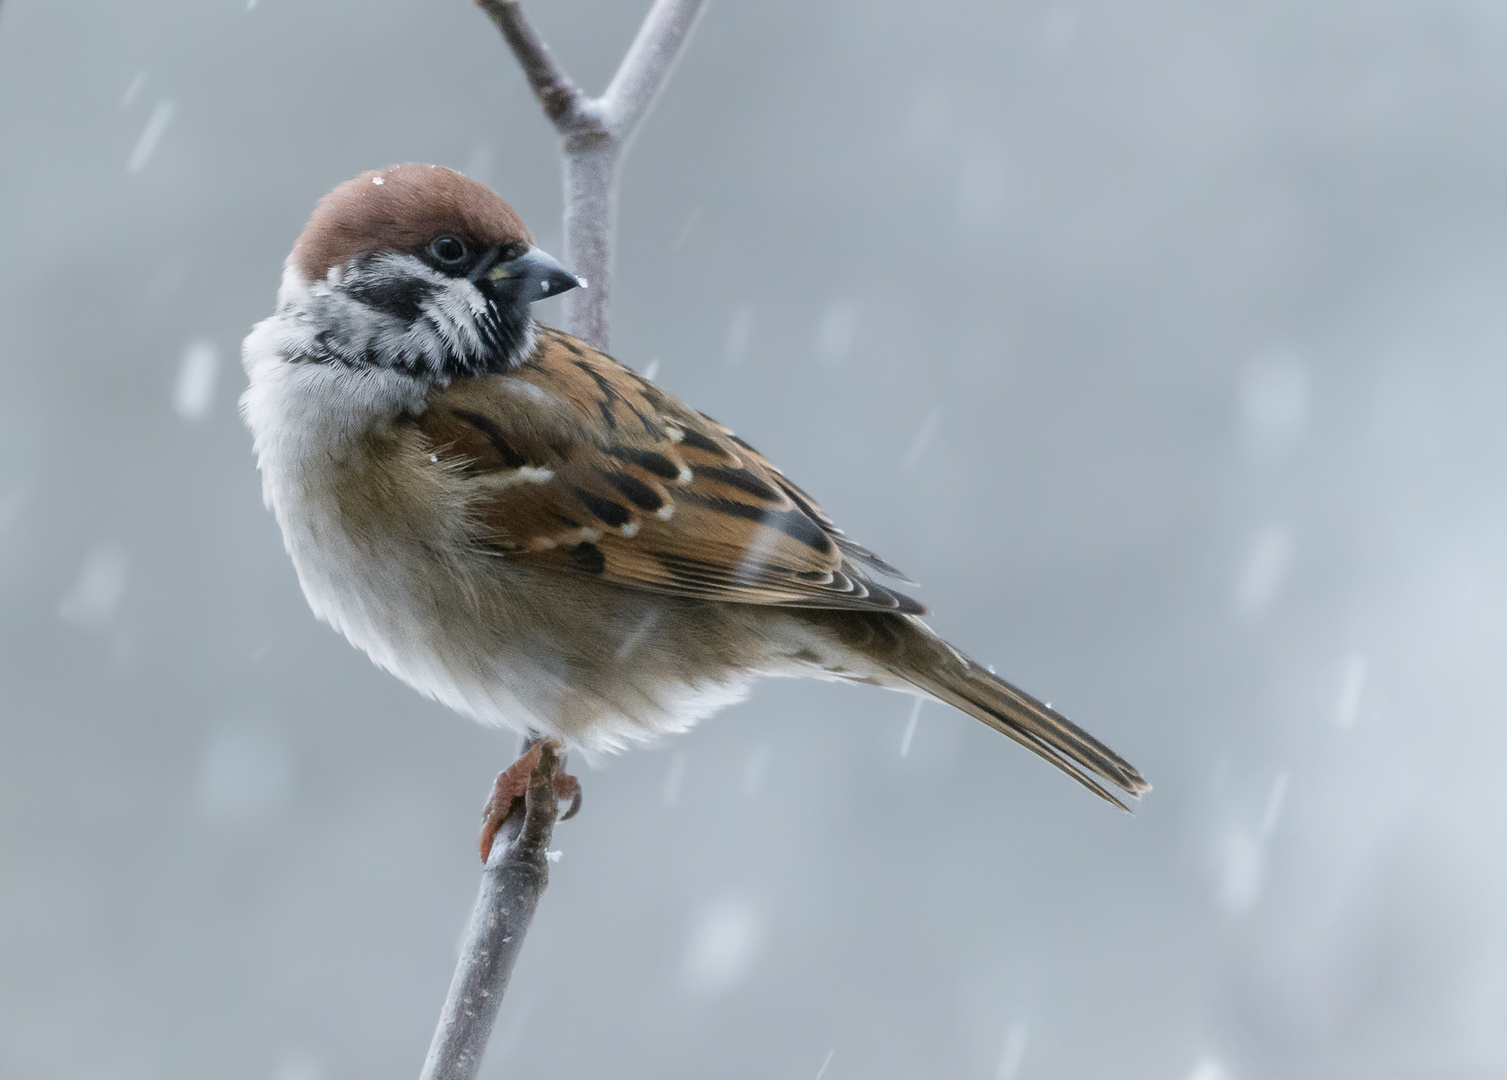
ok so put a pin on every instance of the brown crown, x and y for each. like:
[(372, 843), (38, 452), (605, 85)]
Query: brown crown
[(402, 208)]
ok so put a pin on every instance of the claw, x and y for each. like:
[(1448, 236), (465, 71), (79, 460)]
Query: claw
[(568, 787), (509, 790)]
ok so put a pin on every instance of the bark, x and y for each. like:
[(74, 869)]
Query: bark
[(596, 133), (516, 876)]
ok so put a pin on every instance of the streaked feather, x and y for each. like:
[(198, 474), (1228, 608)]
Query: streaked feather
[(579, 465)]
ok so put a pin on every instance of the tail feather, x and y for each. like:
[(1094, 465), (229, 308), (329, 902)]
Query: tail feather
[(1036, 726)]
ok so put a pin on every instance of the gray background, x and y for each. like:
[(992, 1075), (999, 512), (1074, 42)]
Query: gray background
[(1163, 342)]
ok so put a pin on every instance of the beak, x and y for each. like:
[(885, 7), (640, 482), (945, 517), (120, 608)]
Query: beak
[(533, 276)]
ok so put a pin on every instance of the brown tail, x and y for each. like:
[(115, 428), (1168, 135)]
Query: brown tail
[(955, 679)]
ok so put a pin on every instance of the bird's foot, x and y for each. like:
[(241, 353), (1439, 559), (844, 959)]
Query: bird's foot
[(507, 798)]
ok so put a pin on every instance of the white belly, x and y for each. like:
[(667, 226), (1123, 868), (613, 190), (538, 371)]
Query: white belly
[(594, 666)]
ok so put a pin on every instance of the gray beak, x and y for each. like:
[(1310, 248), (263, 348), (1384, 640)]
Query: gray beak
[(532, 276)]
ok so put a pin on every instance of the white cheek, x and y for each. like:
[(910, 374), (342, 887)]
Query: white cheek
[(451, 324)]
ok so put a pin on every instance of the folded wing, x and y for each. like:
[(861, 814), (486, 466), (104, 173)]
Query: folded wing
[(575, 463)]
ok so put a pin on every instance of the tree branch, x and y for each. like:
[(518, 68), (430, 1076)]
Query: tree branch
[(561, 98), (516, 876), (647, 65), (595, 130)]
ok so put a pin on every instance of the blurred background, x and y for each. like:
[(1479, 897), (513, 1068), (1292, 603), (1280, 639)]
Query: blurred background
[(1162, 342)]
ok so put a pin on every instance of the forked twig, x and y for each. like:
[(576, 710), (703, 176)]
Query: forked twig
[(596, 133)]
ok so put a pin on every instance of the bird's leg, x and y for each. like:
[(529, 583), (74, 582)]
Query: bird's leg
[(509, 789)]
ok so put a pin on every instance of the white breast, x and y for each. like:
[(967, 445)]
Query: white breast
[(449, 624)]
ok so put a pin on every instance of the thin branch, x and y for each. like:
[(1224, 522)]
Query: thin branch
[(561, 98), (515, 878), (595, 130), (647, 65)]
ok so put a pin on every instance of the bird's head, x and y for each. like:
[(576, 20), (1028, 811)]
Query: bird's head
[(419, 269)]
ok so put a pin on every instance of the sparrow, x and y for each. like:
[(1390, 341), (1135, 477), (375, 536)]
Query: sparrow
[(521, 527)]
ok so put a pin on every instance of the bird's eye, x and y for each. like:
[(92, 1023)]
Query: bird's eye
[(447, 249)]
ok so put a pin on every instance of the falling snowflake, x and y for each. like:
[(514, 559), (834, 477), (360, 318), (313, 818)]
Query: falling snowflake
[(198, 371), (724, 943), (151, 135), (98, 590)]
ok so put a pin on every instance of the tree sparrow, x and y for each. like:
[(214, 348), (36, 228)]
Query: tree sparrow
[(521, 527)]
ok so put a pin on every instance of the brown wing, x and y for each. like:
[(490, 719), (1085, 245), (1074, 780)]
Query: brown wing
[(575, 463)]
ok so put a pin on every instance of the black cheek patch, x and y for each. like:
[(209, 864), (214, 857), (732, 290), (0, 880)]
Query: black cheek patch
[(397, 295)]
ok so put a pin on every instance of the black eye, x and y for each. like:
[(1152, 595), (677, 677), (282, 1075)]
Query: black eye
[(447, 249)]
